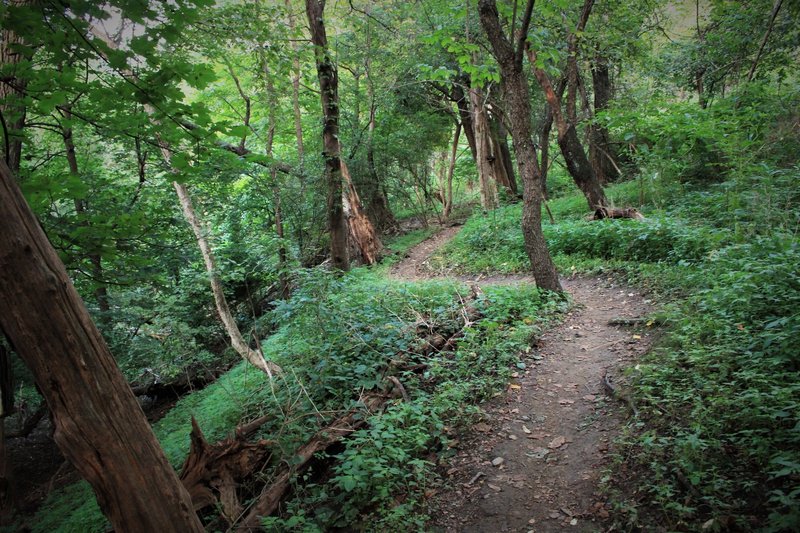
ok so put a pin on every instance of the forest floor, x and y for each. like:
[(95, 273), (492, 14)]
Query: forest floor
[(536, 460)]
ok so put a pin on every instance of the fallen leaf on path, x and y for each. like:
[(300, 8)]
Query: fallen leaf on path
[(514, 386), (590, 397), (557, 442), (482, 427), (494, 487), (566, 402), (526, 430)]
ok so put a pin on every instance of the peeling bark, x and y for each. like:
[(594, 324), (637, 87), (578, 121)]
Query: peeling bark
[(362, 233)]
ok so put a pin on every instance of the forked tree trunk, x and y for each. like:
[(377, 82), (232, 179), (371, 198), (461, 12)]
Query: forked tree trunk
[(329, 96), (518, 108), (99, 425), (575, 158), (578, 164), (483, 150)]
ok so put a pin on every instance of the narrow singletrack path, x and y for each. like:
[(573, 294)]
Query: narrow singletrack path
[(535, 462)]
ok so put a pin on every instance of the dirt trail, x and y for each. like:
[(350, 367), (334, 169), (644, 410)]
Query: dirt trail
[(534, 463)]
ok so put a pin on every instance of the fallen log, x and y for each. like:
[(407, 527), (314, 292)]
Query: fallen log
[(271, 496), (615, 212), (211, 472)]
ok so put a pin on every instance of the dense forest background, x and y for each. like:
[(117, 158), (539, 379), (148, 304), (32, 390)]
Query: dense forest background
[(233, 180)]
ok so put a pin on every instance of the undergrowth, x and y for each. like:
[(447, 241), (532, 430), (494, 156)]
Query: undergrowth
[(336, 338)]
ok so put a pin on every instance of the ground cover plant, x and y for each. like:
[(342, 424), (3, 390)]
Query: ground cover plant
[(716, 443), (340, 337)]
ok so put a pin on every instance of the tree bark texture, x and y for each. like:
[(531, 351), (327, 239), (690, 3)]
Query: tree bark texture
[(329, 96), (601, 151), (12, 89), (241, 346), (501, 156), (519, 112), (99, 425), (362, 233), (578, 164), (483, 149)]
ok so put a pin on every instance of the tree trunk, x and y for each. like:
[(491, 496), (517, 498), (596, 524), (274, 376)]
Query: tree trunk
[(382, 215), (232, 329), (601, 151), (329, 96), (519, 112), (575, 158), (447, 186), (100, 291), (12, 89), (6, 408), (99, 425), (237, 340), (462, 102), (502, 164), (483, 150), (362, 233)]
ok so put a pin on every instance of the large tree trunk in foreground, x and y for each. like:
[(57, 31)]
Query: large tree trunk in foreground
[(329, 95), (99, 426), (519, 112)]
